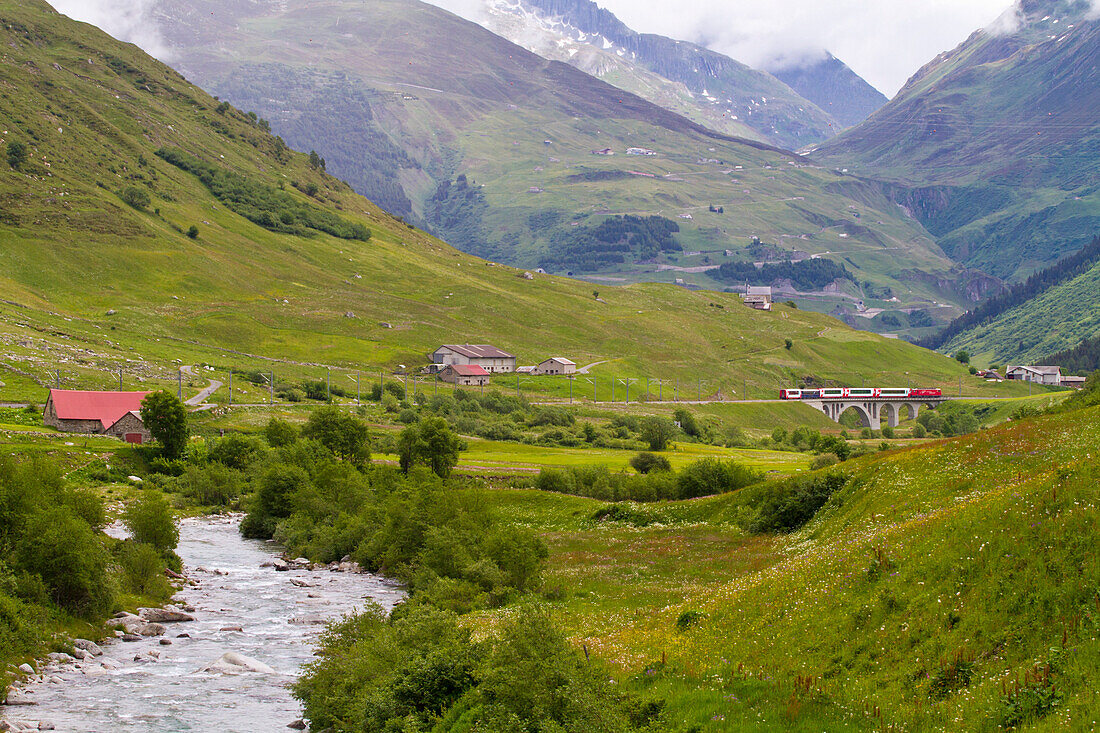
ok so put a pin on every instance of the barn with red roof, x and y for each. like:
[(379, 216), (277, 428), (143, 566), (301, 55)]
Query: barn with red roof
[(470, 375), (97, 413)]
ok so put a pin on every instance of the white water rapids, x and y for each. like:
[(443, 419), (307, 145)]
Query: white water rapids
[(157, 688)]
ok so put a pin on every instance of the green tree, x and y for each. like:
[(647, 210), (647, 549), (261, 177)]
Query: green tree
[(343, 434), (149, 519), (430, 442), (779, 434), (193, 232), (71, 560), (166, 419), (17, 154), (280, 432), (687, 422), (963, 357), (646, 462), (135, 197), (657, 432)]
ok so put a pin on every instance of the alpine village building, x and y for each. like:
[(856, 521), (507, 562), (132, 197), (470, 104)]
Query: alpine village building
[(117, 414), (489, 358)]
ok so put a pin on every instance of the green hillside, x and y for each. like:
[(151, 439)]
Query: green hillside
[(435, 118), (993, 146), (950, 586), (1056, 320), (92, 284)]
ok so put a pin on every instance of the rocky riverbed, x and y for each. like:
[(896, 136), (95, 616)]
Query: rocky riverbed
[(220, 658)]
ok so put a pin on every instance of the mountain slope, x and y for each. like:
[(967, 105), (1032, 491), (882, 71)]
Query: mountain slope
[(994, 145), (277, 264), (835, 88), (1056, 320), (496, 148), (704, 85)]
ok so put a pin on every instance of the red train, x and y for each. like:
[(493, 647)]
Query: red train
[(844, 393)]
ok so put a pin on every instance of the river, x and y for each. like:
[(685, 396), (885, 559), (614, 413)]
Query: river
[(157, 687)]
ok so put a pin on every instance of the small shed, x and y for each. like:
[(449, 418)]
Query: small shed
[(556, 365), (467, 375)]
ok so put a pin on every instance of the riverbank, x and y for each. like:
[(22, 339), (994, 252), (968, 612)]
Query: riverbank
[(252, 630)]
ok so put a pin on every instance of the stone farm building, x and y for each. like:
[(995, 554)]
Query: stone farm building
[(468, 375), (1037, 374), (489, 358), (759, 298), (556, 365), (97, 413)]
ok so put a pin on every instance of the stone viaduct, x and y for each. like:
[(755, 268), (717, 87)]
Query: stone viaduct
[(872, 411)]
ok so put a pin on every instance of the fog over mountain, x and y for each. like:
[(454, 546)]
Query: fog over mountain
[(884, 42)]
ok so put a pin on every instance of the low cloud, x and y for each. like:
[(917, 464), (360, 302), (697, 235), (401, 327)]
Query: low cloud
[(127, 20)]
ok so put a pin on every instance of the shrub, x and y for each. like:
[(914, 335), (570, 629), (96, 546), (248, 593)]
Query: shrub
[(142, 569), (213, 485), (280, 432), (69, 558), (779, 435), (919, 431), (687, 619), (193, 232), (149, 519), (710, 476), (236, 451), (343, 434), (823, 461), (657, 432), (687, 422), (136, 197), (646, 462), (17, 154), (784, 506), (272, 500)]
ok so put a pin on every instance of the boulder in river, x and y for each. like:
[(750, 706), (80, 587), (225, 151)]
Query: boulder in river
[(164, 615), (280, 564), (26, 668), (89, 646), (233, 663)]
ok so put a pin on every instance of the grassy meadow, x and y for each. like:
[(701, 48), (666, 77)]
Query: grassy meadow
[(948, 586)]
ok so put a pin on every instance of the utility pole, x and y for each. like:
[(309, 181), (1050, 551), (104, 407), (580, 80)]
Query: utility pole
[(120, 379), (59, 379), (358, 392), (179, 380)]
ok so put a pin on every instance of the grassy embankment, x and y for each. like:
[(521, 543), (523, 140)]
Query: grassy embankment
[(948, 586)]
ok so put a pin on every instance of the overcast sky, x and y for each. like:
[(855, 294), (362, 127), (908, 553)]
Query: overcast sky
[(884, 41)]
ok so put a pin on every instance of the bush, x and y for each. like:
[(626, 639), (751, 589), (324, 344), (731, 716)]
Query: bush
[(136, 197), (280, 432), (213, 485), (646, 462), (785, 506), (657, 432), (149, 519), (343, 434), (142, 569), (823, 461), (236, 451), (919, 431), (17, 154), (193, 232), (710, 476), (70, 559), (687, 422)]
